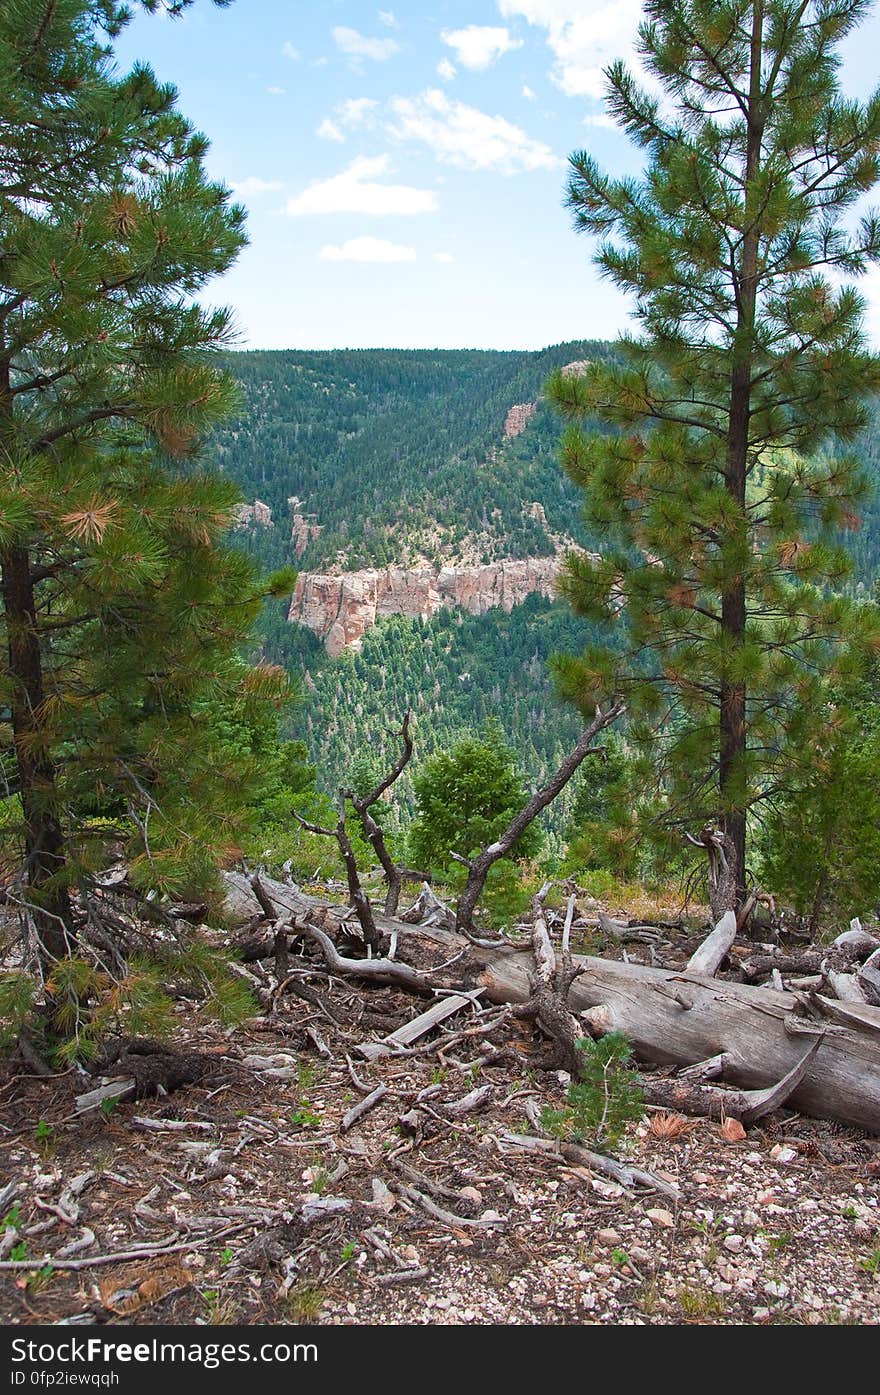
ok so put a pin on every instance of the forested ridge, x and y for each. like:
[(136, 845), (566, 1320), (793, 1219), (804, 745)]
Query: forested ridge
[(400, 455)]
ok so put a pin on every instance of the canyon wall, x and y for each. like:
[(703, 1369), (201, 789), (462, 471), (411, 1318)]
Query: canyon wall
[(340, 609)]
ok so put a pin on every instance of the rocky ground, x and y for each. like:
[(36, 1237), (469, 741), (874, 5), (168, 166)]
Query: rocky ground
[(249, 1198)]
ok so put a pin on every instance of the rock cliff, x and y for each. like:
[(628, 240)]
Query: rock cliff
[(518, 418), (246, 514), (340, 609), (303, 527)]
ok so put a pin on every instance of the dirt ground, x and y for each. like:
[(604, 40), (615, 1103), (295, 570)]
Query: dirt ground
[(244, 1199)]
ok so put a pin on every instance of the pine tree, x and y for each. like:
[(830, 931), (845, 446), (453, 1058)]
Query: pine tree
[(713, 450), (821, 834), (465, 798), (122, 608)]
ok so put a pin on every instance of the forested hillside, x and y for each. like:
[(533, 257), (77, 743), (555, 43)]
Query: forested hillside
[(402, 455), (399, 454)]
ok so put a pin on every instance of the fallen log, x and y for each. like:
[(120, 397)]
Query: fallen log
[(715, 948), (672, 1019), (677, 1019)]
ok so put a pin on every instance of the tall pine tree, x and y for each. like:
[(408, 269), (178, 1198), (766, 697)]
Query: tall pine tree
[(712, 452), (122, 609)]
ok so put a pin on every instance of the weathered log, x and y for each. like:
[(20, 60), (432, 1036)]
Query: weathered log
[(547, 1003), (715, 948), (675, 1019), (868, 977), (857, 942), (717, 1102), (680, 1018), (428, 909), (846, 987)]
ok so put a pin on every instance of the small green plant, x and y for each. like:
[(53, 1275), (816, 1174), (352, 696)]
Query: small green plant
[(319, 1179), (304, 1117), (108, 1106), (219, 1311), (306, 1074), (40, 1279), (619, 1258), (779, 1242), (19, 1251), (44, 1133), (850, 1213), (348, 1251), (700, 1304), (17, 993), (607, 1097), (226, 1255), (438, 1075), (872, 1263), (648, 1297), (304, 1302), (11, 1219)]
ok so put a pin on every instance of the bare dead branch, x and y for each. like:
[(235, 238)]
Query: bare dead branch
[(479, 867)]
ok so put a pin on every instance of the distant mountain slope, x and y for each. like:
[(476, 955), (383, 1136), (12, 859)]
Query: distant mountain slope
[(400, 455), (421, 459)]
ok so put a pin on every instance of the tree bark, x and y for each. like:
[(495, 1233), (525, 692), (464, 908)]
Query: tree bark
[(44, 838)]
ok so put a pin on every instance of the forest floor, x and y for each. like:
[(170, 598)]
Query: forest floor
[(244, 1200)]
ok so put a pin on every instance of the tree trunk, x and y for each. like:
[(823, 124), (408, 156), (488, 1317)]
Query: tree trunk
[(732, 702), (44, 839)]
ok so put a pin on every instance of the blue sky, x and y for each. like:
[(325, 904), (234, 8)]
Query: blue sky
[(404, 168)]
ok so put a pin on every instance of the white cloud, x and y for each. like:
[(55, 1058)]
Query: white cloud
[(275, 91), (446, 70), (389, 19), (479, 45), (357, 45), (355, 110), (601, 119), (462, 135), (443, 257), (368, 249), (583, 35), (355, 190), (350, 114), (246, 188), (528, 93), (328, 130), (289, 51)]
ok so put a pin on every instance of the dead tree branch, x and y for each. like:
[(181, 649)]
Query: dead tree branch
[(359, 898), (373, 831), (479, 867)]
